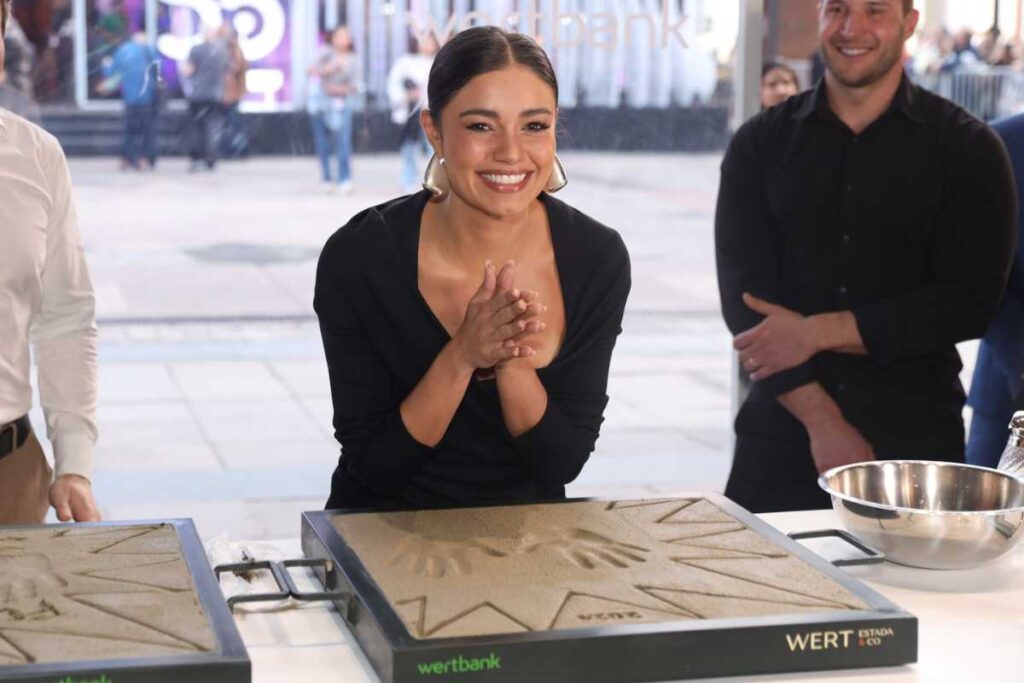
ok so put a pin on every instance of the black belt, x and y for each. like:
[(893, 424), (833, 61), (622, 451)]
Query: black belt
[(13, 435)]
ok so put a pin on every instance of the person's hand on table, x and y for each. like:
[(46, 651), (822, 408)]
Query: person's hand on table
[(72, 499), (783, 340)]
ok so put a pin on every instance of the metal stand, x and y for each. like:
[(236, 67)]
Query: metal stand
[(287, 590)]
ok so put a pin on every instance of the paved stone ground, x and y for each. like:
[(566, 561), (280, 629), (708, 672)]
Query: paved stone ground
[(214, 400)]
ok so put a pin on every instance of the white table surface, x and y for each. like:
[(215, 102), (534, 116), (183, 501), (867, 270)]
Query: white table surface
[(971, 624)]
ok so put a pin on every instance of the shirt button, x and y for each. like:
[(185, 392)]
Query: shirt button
[(841, 386), (842, 289), (849, 188), (846, 238)]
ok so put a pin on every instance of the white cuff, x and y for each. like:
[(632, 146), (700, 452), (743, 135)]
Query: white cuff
[(72, 454)]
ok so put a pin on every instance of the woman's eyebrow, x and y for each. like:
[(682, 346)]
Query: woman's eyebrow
[(491, 114), (480, 112)]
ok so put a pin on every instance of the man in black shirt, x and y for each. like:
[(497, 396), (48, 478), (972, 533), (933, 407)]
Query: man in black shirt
[(863, 229)]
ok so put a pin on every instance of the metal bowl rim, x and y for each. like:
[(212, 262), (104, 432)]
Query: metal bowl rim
[(823, 483)]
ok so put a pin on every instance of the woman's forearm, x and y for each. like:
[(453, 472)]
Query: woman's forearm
[(428, 410), (524, 400)]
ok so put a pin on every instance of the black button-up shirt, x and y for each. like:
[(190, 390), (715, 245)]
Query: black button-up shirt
[(910, 225)]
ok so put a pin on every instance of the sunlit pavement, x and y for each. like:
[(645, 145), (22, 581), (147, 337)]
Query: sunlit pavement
[(214, 400)]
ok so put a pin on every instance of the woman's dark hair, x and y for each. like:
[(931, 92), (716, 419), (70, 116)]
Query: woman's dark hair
[(772, 66), (480, 50)]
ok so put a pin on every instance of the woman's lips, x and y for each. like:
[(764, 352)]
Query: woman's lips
[(506, 182)]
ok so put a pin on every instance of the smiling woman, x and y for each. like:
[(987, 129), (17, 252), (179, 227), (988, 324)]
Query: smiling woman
[(456, 381)]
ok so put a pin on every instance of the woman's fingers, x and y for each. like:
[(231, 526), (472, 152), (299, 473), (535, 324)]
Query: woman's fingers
[(507, 276), (487, 287), (508, 313), (510, 330), (532, 327)]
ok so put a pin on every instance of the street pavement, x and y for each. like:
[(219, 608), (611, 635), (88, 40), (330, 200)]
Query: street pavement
[(214, 400)]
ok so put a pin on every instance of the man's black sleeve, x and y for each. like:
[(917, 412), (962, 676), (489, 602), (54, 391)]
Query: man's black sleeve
[(746, 248), (970, 253)]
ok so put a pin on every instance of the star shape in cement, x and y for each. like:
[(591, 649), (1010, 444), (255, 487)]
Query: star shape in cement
[(86, 593), (526, 568)]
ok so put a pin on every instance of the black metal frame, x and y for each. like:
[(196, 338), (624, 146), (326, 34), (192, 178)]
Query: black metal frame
[(675, 650), (229, 663)]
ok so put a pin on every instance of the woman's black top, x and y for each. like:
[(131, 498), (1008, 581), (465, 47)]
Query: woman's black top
[(380, 337)]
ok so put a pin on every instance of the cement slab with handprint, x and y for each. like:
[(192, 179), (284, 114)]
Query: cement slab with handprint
[(97, 593), (515, 569)]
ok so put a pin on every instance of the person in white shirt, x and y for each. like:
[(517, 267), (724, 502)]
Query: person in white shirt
[(407, 92), (45, 293)]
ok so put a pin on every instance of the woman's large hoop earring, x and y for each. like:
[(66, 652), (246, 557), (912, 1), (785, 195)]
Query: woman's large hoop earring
[(558, 179), (435, 178)]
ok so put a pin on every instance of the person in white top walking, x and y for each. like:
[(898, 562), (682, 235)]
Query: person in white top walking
[(407, 92), (45, 294)]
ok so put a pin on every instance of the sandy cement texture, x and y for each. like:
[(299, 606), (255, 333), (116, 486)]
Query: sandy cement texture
[(486, 571), (88, 593)]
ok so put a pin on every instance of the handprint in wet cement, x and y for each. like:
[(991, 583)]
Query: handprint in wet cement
[(436, 558), (585, 549), (25, 582)]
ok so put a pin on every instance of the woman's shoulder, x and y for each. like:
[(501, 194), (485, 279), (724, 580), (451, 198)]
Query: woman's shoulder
[(375, 233), (586, 237)]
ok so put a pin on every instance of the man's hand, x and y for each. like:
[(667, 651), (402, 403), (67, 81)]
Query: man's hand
[(71, 496), (783, 340), (835, 442)]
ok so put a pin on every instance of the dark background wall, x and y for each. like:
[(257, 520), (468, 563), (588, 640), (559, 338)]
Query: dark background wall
[(690, 129)]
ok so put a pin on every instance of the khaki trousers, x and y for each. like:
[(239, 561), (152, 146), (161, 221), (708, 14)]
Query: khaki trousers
[(25, 484)]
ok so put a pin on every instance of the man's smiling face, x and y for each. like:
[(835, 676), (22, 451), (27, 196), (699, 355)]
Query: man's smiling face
[(862, 40)]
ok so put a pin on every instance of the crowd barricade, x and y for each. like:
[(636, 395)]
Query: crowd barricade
[(989, 93)]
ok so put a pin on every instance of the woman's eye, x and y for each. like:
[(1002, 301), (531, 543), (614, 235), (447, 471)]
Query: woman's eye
[(478, 126), (536, 126)]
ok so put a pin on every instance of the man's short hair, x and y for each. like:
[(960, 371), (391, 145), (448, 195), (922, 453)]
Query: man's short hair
[(908, 5), (5, 14)]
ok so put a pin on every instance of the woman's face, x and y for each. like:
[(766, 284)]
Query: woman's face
[(777, 86), (341, 40), (497, 137)]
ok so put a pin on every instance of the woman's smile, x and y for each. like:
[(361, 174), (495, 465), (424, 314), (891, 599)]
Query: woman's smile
[(504, 181)]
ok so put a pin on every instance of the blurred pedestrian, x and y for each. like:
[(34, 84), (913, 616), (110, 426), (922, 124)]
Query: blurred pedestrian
[(234, 140), (205, 71), (134, 69), (336, 78), (407, 91), (12, 97), (18, 58), (778, 83), (964, 53)]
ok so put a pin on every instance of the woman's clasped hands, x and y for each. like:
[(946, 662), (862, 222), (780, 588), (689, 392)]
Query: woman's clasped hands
[(498, 320)]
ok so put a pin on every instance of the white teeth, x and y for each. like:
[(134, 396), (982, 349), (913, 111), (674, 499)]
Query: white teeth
[(850, 52), (504, 179)]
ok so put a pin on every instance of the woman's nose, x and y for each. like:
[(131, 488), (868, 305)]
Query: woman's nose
[(509, 148)]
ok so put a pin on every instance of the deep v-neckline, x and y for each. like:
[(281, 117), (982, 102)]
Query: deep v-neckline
[(553, 229)]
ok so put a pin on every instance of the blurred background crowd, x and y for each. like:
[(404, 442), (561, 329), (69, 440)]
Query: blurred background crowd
[(214, 79)]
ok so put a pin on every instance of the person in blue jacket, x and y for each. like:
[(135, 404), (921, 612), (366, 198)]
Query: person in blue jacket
[(998, 385), (134, 68)]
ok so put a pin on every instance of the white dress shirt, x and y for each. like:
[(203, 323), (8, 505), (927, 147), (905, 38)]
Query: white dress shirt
[(45, 295)]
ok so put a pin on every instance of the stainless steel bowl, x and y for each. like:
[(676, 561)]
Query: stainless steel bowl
[(929, 514)]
